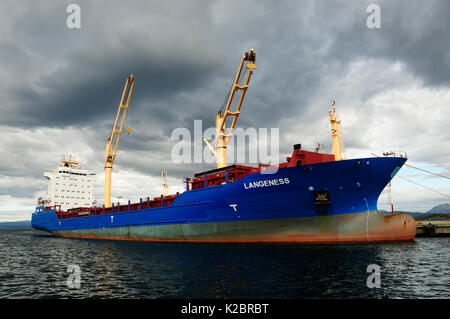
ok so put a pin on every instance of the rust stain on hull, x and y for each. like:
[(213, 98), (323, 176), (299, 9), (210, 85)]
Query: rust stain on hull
[(361, 227)]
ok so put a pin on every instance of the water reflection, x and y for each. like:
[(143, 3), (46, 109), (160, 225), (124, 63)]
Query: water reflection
[(34, 265)]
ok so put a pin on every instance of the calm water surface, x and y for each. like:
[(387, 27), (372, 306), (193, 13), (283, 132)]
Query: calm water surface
[(34, 265)]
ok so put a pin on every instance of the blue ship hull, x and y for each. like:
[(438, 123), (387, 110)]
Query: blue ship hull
[(324, 202)]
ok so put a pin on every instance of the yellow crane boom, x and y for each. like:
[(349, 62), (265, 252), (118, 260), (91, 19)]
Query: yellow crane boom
[(114, 139), (223, 135)]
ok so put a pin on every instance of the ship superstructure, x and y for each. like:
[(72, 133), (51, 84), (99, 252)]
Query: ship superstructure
[(69, 186)]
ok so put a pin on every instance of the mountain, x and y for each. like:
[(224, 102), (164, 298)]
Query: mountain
[(22, 224), (439, 212), (440, 209)]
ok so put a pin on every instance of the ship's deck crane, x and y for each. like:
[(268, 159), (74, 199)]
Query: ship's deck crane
[(114, 139), (223, 135), (336, 132)]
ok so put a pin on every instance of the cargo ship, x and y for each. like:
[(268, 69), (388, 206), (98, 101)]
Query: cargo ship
[(310, 198)]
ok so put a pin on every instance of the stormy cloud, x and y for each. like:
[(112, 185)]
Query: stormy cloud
[(61, 87)]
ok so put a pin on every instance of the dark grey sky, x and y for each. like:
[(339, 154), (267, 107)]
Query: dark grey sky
[(61, 87)]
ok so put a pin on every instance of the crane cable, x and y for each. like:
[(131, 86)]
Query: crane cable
[(422, 185), (407, 179), (229, 90), (421, 169), (226, 98)]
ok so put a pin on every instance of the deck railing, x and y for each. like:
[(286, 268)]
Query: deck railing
[(146, 203)]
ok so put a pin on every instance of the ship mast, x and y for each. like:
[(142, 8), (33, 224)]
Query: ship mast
[(336, 132), (164, 183), (115, 135), (223, 136), (69, 162), (390, 197)]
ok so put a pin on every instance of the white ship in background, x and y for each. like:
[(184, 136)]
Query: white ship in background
[(69, 186)]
